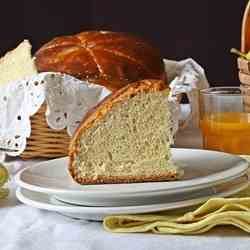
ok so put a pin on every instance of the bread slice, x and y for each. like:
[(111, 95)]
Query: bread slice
[(126, 138), (17, 64)]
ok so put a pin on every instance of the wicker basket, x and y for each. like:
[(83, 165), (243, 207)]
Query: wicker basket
[(244, 65), (44, 141)]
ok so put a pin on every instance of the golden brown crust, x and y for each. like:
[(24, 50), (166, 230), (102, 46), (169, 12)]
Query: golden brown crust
[(108, 58), (167, 176), (97, 114)]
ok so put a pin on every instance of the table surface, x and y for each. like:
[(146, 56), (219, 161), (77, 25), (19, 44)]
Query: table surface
[(28, 228)]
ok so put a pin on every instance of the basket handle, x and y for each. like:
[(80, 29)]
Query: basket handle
[(245, 30)]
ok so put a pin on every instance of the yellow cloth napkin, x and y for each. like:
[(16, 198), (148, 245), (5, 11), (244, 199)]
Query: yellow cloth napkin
[(216, 211)]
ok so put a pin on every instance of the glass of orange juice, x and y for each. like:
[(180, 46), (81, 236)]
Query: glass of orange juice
[(224, 120)]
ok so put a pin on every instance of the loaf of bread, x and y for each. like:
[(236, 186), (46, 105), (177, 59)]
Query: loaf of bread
[(126, 138), (17, 63), (111, 59)]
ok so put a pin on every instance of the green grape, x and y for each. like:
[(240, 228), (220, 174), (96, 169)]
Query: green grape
[(4, 192), (4, 175), (239, 53)]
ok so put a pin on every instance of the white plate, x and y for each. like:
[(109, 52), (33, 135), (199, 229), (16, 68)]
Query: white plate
[(150, 199), (202, 169), (48, 202)]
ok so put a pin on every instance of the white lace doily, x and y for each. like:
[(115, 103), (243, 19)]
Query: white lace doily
[(68, 99), (187, 76)]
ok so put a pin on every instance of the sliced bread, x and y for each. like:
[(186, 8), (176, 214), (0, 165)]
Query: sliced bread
[(126, 138)]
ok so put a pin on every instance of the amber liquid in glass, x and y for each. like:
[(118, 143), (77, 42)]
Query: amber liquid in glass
[(228, 132)]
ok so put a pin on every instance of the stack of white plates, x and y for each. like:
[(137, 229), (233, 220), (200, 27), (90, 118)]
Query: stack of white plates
[(207, 174)]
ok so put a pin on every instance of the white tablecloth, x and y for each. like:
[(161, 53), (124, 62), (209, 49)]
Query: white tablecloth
[(28, 228)]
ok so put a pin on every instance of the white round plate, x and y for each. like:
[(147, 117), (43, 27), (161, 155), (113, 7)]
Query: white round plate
[(48, 202), (202, 169)]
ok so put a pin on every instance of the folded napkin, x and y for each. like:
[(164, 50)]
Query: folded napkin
[(216, 211)]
